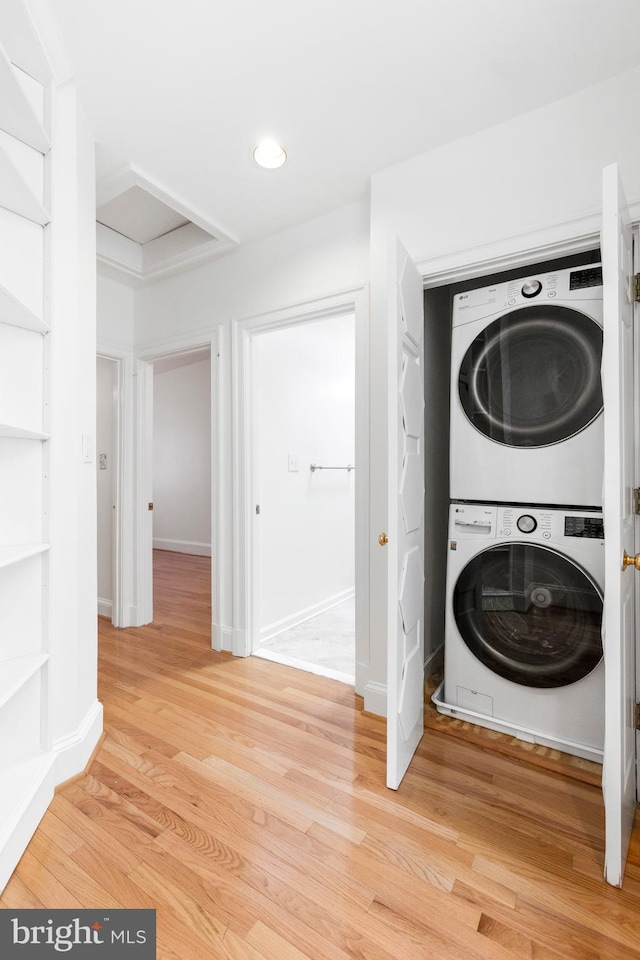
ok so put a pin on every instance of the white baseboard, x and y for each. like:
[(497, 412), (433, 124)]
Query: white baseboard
[(301, 616), (33, 782), (222, 638), (239, 647), (194, 547), (105, 608), (32, 788), (130, 617), (74, 750), (375, 698)]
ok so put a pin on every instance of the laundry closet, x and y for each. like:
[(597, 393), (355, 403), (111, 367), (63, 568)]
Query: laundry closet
[(514, 553)]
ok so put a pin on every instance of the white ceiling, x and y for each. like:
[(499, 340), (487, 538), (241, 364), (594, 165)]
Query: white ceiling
[(183, 91)]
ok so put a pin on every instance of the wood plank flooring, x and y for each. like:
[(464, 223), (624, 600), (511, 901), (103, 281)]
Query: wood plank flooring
[(245, 801)]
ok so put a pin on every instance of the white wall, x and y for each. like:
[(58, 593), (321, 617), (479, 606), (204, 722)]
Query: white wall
[(317, 258), (115, 312), (182, 458), (500, 185), (304, 404)]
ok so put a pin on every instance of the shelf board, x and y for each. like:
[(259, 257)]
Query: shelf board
[(16, 196), (16, 672), (15, 552), (21, 41), (8, 432), (13, 312), (16, 114)]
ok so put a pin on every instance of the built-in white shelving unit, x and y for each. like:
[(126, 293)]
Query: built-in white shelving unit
[(26, 757)]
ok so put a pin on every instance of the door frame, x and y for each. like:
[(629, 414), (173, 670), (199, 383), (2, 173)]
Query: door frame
[(122, 552), (578, 235), (245, 553), (175, 346)]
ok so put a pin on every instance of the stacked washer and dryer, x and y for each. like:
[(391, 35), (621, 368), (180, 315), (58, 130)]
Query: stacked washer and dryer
[(525, 569)]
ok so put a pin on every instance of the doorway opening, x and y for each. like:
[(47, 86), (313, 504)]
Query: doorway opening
[(181, 458), (304, 462)]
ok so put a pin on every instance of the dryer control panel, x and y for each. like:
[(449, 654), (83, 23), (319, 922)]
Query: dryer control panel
[(549, 524), (567, 286)]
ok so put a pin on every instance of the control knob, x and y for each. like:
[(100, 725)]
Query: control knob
[(531, 288), (527, 523)]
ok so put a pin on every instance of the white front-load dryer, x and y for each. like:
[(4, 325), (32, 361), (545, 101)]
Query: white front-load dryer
[(526, 395), (523, 647)]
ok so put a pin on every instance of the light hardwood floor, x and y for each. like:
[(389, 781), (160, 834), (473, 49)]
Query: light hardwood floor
[(246, 802)]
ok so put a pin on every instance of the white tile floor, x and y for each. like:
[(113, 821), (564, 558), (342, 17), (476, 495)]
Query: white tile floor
[(325, 644)]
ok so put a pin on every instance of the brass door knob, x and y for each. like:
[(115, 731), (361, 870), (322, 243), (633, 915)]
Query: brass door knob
[(383, 539), (628, 561)]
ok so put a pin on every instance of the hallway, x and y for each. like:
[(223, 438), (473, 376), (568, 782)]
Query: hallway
[(245, 800)]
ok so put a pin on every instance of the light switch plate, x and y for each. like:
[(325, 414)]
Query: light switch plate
[(88, 448), (294, 462)]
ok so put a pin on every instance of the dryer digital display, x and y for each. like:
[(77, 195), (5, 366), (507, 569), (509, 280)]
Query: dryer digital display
[(532, 379), (529, 614)]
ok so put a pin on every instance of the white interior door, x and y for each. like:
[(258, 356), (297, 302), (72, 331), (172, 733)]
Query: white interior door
[(619, 777), (405, 568)]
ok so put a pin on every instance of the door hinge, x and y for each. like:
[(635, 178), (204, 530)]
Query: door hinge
[(636, 717), (257, 509), (635, 288), (636, 501)]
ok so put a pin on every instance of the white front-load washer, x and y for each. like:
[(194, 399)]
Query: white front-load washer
[(523, 647), (526, 395)]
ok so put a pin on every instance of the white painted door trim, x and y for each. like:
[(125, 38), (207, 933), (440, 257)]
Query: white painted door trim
[(244, 546), (144, 492), (122, 614), (572, 236), (170, 347)]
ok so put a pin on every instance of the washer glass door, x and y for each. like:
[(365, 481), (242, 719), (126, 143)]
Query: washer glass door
[(532, 377), (530, 615)]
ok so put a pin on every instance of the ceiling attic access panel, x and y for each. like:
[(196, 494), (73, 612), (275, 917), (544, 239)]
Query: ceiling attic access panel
[(144, 232)]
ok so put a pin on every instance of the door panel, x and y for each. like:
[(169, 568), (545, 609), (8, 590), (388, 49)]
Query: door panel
[(619, 781), (405, 569)]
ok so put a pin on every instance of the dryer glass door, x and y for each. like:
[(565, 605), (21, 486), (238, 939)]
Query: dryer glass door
[(532, 377), (530, 615)]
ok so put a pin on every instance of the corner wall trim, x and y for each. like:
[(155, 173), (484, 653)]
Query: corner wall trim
[(74, 750)]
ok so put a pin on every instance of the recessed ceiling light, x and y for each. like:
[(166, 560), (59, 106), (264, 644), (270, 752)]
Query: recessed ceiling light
[(269, 154)]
